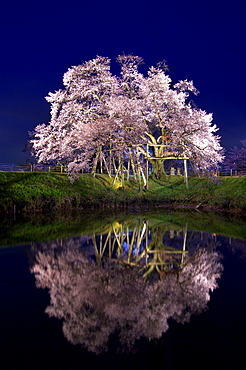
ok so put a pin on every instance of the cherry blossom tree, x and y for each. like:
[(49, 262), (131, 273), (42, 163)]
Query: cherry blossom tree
[(99, 116), (236, 157)]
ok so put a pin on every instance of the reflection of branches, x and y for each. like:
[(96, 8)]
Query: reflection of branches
[(236, 246), (96, 296)]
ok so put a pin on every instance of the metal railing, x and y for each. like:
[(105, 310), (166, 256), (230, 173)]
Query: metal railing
[(32, 167), (35, 167)]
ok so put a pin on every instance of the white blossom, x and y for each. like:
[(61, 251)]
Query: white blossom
[(96, 110)]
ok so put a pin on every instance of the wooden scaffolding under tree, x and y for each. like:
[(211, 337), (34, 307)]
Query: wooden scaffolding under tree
[(135, 161)]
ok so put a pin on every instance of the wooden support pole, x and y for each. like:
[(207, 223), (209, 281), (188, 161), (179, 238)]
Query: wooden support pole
[(147, 167), (128, 169), (185, 174)]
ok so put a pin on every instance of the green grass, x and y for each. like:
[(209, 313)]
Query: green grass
[(34, 192)]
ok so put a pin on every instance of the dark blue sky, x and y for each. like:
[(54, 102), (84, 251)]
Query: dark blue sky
[(201, 40)]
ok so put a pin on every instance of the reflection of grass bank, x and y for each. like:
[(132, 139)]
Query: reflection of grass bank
[(35, 192), (34, 228)]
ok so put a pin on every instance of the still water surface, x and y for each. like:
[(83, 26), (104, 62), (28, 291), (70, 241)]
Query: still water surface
[(129, 291)]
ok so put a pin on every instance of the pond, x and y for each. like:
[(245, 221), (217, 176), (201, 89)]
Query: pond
[(123, 291)]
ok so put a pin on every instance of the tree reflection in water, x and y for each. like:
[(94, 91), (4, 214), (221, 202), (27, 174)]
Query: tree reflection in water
[(128, 280)]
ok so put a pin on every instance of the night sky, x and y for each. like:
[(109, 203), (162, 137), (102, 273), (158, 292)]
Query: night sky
[(203, 41)]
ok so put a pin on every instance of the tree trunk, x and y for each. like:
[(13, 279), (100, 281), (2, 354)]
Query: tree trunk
[(158, 167)]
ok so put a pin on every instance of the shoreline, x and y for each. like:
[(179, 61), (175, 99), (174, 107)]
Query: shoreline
[(48, 192)]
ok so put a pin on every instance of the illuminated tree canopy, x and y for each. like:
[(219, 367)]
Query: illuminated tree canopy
[(102, 118)]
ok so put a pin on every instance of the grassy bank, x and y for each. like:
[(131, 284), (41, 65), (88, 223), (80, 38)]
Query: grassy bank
[(34, 192)]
